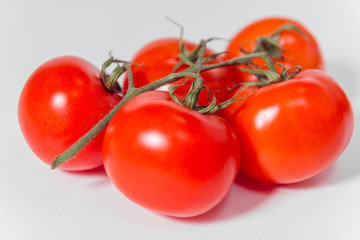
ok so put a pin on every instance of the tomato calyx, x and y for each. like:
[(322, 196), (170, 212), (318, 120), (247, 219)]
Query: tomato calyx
[(110, 82), (271, 76), (191, 57), (271, 44)]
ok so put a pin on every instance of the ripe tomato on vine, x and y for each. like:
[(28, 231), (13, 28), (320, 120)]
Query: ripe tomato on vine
[(60, 102), (291, 130), (177, 162)]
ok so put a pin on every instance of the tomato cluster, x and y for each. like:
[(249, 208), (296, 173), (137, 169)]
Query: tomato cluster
[(165, 149)]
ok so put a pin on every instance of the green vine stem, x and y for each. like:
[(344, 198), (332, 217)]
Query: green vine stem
[(192, 71)]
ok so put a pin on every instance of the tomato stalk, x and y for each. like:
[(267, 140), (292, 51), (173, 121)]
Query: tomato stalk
[(192, 71)]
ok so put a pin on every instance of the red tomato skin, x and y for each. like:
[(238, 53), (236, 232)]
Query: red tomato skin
[(293, 130), (170, 159), (59, 103), (159, 58), (296, 49)]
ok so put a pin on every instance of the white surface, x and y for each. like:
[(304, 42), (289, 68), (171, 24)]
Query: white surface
[(37, 203)]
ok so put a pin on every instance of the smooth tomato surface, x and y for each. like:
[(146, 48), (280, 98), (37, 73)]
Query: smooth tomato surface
[(168, 158), (296, 49), (159, 58), (59, 103), (292, 130)]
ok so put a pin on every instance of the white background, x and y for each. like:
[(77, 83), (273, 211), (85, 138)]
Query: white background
[(37, 203)]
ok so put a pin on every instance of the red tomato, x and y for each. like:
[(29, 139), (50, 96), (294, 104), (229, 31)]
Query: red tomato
[(293, 130), (59, 103), (295, 48), (168, 158), (159, 59)]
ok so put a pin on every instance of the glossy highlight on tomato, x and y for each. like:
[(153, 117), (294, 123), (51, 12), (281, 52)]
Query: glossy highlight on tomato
[(60, 102), (158, 59), (292, 130), (302, 50), (170, 159)]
